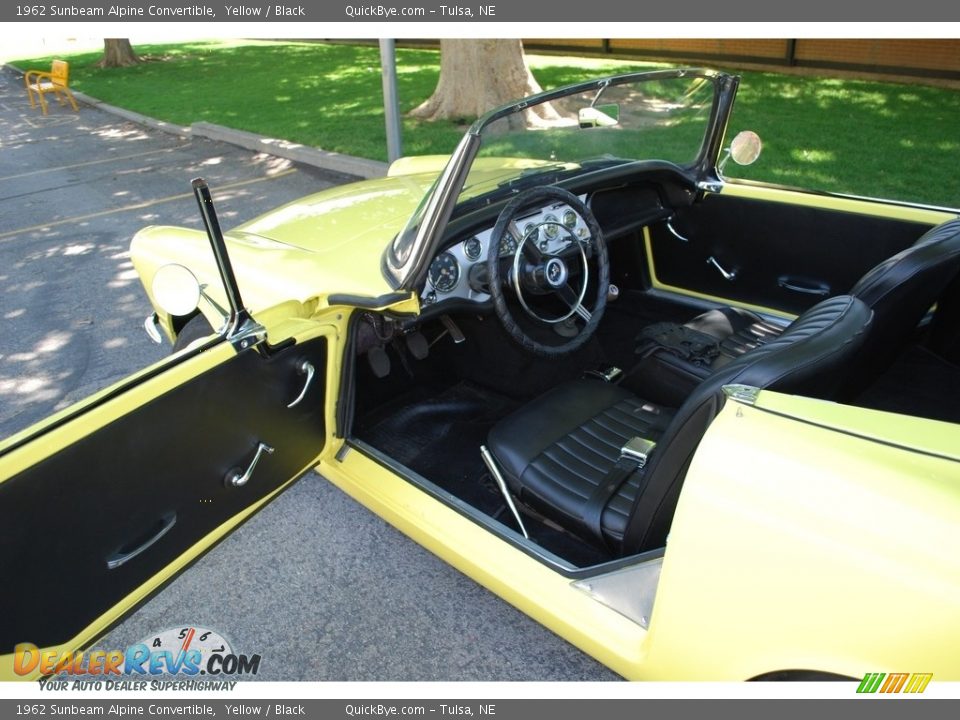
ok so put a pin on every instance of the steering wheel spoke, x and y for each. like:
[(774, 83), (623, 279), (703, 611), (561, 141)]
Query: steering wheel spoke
[(571, 298)]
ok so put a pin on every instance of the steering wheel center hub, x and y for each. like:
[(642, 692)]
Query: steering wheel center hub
[(556, 273)]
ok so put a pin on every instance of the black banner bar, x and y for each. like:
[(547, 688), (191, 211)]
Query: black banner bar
[(488, 11), (598, 709)]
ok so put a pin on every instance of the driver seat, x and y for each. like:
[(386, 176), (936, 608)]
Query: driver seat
[(561, 454)]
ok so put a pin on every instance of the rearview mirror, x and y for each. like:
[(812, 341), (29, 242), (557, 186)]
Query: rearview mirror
[(599, 115), (176, 290)]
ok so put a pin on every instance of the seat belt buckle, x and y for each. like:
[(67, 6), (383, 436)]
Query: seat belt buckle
[(638, 450), (608, 374)]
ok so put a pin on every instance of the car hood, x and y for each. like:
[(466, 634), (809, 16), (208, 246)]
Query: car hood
[(357, 218), (327, 243)]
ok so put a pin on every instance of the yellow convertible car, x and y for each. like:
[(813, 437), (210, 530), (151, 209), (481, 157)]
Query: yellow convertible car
[(703, 429)]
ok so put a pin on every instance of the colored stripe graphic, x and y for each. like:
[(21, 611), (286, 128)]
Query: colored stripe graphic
[(870, 682), (895, 682), (918, 682)]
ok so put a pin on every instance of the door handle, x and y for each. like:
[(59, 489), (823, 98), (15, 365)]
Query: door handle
[(729, 275), (122, 555), (304, 367), (673, 231), (807, 287), (235, 479)]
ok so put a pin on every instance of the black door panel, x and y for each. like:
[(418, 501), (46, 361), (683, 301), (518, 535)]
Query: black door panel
[(781, 256), (145, 488)]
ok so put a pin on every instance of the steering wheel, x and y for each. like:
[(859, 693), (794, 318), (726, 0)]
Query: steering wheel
[(541, 265)]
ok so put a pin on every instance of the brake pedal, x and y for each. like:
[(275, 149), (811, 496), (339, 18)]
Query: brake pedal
[(379, 361), (417, 345)]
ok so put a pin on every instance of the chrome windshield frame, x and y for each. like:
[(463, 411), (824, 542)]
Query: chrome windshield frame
[(404, 273)]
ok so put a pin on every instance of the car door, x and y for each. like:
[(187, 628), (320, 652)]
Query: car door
[(105, 502), (776, 248), (100, 507)]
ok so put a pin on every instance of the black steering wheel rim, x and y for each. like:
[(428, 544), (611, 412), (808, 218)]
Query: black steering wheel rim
[(527, 200)]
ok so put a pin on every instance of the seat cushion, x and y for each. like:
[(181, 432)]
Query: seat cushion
[(738, 331), (556, 450), (668, 378)]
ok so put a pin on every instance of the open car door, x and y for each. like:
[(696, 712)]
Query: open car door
[(102, 505)]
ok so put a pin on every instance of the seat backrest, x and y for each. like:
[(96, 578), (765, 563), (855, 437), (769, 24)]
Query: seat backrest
[(59, 72), (901, 290), (814, 356)]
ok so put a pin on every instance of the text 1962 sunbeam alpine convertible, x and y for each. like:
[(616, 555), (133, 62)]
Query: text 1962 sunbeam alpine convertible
[(700, 428)]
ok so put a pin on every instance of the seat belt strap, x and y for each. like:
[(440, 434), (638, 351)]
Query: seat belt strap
[(633, 457)]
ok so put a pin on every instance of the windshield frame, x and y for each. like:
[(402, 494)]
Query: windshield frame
[(405, 260)]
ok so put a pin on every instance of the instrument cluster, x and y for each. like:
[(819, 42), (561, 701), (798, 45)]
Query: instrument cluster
[(460, 270)]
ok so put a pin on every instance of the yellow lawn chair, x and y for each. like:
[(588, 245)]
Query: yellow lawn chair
[(54, 81)]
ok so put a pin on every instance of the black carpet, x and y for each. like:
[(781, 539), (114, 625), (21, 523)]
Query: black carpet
[(438, 433), (919, 383)]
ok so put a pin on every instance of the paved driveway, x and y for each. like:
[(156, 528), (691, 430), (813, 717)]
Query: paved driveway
[(318, 586)]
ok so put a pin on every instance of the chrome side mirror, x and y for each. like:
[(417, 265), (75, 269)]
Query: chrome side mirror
[(744, 149), (176, 290)]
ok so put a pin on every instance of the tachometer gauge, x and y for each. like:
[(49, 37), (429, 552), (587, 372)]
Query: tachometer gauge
[(570, 219), (551, 227), (508, 244), (472, 248), (444, 272)]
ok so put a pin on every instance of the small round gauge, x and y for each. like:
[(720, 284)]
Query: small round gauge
[(194, 645), (570, 219), (472, 248), (551, 227), (508, 244), (530, 231), (444, 272)]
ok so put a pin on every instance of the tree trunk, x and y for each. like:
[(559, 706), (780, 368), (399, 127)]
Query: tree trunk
[(118, 53), (477, 76)]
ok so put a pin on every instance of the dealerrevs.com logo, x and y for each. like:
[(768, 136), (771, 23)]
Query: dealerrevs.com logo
[(184, 652)]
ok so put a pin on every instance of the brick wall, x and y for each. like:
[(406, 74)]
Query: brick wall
[(912, 54), (767, 49), (907, 57)]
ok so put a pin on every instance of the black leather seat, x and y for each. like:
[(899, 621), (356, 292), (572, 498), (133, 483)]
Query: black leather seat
[(556, 451), (899, 290)]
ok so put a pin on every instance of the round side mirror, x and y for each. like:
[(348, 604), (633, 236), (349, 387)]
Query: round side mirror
[(746, 147), (176, 290)]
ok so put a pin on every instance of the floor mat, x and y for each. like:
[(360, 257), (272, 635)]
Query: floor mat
[(623, 321), (438, 434)]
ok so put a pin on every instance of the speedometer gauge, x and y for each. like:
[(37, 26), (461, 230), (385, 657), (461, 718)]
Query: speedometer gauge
[(444, 272)]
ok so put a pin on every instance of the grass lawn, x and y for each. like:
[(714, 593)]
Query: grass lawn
[(868, 138)]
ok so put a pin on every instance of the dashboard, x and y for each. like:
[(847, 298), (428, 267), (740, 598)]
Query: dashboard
[(459, 272)]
